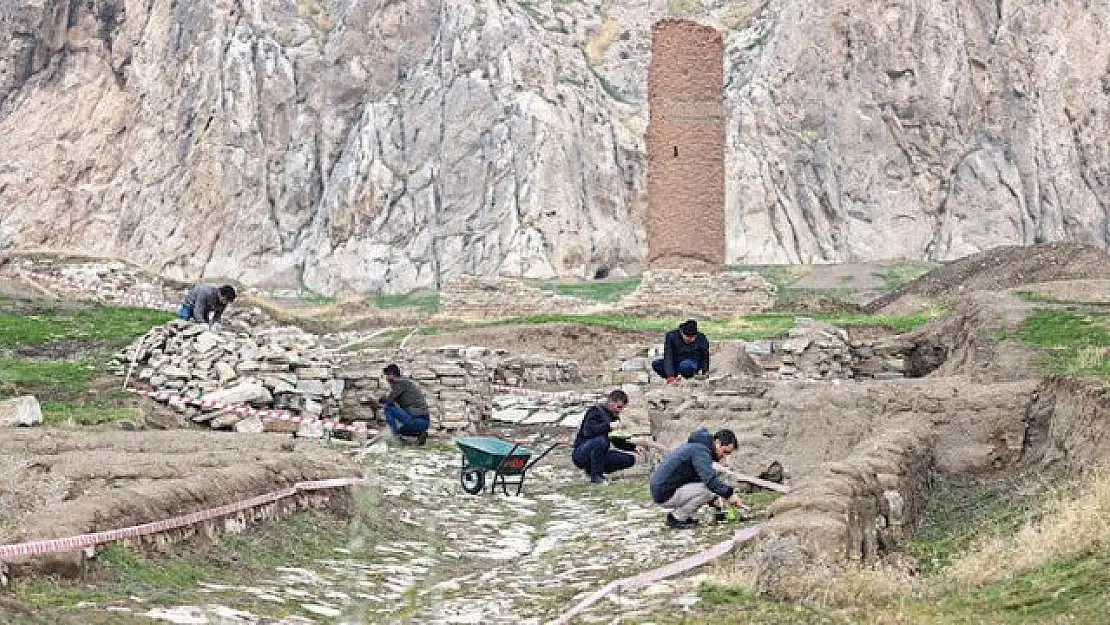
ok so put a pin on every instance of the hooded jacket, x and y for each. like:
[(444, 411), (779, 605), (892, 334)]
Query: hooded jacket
[(692, 462), (598, 422), (675, 350)]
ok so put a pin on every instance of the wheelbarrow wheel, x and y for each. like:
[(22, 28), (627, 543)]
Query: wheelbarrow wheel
[(473, 481)]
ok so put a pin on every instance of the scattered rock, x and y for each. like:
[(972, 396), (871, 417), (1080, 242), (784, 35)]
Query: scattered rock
[(20, 412)]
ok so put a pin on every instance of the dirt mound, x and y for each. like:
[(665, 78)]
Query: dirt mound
[(64, 483), (966, 342), (584, 343), (1003, 268)]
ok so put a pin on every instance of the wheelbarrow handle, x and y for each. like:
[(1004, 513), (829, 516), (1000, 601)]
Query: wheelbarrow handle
[(540, 457)]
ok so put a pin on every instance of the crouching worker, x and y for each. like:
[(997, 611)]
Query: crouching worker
[(405, 408), (686, 480), (205, 303), (592, 452), (685, 353)]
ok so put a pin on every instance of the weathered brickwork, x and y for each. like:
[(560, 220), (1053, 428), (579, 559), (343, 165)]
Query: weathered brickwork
[(686, 147)]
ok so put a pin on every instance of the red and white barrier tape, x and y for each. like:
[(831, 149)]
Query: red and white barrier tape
[(526, 392), (73, 543), (661, 573), (243, 409)]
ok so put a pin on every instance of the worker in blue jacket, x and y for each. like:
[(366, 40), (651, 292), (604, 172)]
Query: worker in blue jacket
[(685, 353), (592, 446), (686, 480)]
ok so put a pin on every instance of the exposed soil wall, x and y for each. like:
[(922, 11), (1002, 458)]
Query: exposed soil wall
[(851, 511), (1069, 424), (978, 427), (117, 479)]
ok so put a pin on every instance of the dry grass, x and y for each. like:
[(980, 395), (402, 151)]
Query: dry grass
[(1072, 524), (779, 569)]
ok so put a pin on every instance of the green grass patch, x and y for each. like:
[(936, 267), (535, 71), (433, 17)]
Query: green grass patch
[(598, 290), (1075, 344), (736, 604), (747, 327), (781, 276), (1075, 590), (86, 415), (119, 572), (1044, 298), (896, 277), (31, 374), (425, 301), (114, 326), (960, 509)]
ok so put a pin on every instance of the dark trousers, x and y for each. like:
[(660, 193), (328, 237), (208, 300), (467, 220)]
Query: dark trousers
[(686, 368), (402, 423), (596, 458)]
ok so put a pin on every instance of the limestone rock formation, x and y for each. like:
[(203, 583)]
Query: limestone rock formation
[(352, 145), (363, 145)]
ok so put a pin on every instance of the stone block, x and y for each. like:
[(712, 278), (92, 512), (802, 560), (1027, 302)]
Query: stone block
[(242, 393), (312, 373), (315, 388), (23, 411), (250, 425)]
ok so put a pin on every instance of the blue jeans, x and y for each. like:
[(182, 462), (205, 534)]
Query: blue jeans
[(686, 368), (595, 457), (185, 312), (402, 423)]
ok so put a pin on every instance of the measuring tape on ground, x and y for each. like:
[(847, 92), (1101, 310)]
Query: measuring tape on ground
[(648, 577)]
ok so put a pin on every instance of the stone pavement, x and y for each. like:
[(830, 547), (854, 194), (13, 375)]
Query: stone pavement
[(447, 557)]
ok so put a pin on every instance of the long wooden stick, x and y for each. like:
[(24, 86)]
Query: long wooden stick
[(755, 481)]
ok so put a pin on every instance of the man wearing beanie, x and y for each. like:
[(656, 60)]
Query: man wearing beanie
[(685, 353)]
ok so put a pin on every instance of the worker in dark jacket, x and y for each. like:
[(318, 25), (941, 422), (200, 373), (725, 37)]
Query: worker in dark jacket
[(205, 303), (686, 480), (592, 451), (406, 410), (685, 353)]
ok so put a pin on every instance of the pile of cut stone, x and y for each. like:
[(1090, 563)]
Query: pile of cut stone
[(283, 368)]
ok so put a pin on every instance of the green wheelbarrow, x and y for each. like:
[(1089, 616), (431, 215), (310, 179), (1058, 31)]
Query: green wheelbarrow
[(505, 458)]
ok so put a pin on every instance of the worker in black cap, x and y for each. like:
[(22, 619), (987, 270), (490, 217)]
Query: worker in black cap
[(685, 353)]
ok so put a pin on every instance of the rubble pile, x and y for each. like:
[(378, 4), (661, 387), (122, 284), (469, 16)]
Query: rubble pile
[(105, 281), (283, 368)]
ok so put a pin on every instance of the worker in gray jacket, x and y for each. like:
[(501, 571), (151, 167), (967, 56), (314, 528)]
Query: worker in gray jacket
[(686, 480), (205, 303), (406, 410)]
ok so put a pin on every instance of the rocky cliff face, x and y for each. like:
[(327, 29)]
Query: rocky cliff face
[(358, 145)]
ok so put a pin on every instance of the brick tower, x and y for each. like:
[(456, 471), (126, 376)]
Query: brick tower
[(686, 148)]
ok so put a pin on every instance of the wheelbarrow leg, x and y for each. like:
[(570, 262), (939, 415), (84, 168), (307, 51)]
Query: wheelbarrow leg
[(524, 471), (497, 475)]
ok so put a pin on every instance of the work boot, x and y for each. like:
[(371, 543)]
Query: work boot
[(598, 479), (674, 523), (421, 438)]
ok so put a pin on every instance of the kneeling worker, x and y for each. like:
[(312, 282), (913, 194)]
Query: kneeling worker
[(592, 451), (686, 480), (405, 408), (205, 303), (685, 353)]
